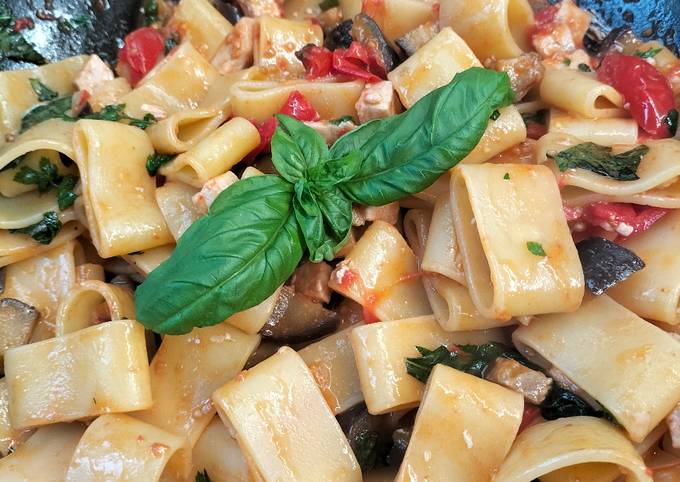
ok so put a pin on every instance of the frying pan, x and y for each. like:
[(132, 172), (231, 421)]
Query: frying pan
[(111, 20)]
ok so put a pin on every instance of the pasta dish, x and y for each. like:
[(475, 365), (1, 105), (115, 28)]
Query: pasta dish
[(409, 240)]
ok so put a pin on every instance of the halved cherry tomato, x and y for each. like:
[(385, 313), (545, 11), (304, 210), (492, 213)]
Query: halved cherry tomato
[(355, 62), (142, 50), (296, 106), (648, 95), (625, 219)]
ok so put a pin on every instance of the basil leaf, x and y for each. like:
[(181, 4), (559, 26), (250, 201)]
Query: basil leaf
[(116, 113), (56, 108), (296, 148), (46, 177), (310, 220), (43, 92), (228, 261), (599, 159), (337, 213), (65, 195), (336, 171), (406, 153), (44, 230)]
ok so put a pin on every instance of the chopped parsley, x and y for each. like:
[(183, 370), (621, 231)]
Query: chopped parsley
[(155, 161), (54, 109), (46, 177), (507, 176), (671, 120), (150, 11), (44, 230), (43, 92), (13, 45), (600, 160), (648, 54), (115, 113), (495, 115), (171, 42), (567, 62), (584, 68), (535, 248)]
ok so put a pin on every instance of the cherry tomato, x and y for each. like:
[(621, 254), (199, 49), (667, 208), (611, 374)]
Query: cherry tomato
[(142, 50), (317, 61), (648, 95), (354, 63), (298, 107), (626, 219)]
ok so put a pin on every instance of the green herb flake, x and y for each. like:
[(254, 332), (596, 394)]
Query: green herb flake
[(648, 54), (567, 62), (65, 195), (150, 11), (506, 176), (600, 160), (341, 120), (45, 177), (155, 161), (13, 45), (43, 92), (495, 115), (54, 109), (328, 4), (535, 248), (116, 113), (44, 230), (203, 476), (171, 42), (370, 448), (584, 68)]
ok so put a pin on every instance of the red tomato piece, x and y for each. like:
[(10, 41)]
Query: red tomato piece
[(353, 63), (626, 219), (142, 50), (298, 107), (530, 414), (317, 61), (647, 93), (543, 20)]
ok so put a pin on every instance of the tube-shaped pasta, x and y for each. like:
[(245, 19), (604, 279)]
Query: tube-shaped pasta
[(441, 254), (654, 292), (89, 272), (547, 447), (179, 82), (96, 370), (119, 447), (283, 424), (432, 66), (493, 28), (380, 352), (606, 132), (179, 211), (253, 319), (17, 96), (24, 281), (26, 209), (184, 373), (17, 247), (331, 362), (215, 154), (586, 96), (279, 39), (626, 364), (217, 453), (590, 472), (518, 254), (45, 456), (658, 170), (398, 17), (81, 306), (463, 430), (10, 438), (201, 24), (259, 100), (381, 274), (184, 129), (503, 133), (53, 134), (148, 260), (120, 204)]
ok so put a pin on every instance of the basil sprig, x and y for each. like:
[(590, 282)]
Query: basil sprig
[(257, 230)]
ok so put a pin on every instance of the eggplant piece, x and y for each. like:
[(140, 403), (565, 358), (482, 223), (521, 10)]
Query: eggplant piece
[(598, 44), (340, 37), (17, 320), (410, 42), (369, 436), (296, 318), (366, 31), (400, 439), (230, 11), (606, 264)]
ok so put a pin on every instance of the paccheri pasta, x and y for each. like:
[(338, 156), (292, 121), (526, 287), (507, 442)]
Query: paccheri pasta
[(293, 240)]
